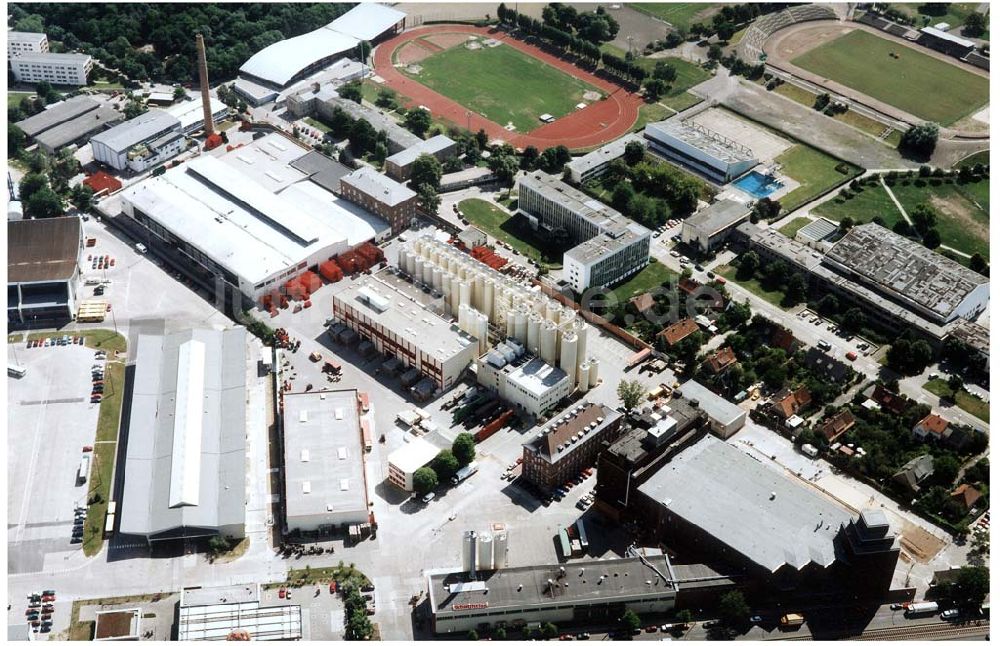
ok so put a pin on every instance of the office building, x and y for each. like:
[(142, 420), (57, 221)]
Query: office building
[(725, 417), (707, 229), (400, 165), (325, 477), (404, 461), (522, 380), (140, 143), (694, 146), (24, 42), (595, 163), (185, 464), (43, 270), (610, 247), (379, 194), (399, 320), (57, 69), (778, 532), (569, 444)]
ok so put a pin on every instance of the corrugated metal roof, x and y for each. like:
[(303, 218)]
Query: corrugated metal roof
[(138, 130), (41, 250), (57, 113)]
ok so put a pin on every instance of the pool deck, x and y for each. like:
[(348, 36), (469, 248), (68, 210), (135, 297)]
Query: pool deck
[(784, 183)]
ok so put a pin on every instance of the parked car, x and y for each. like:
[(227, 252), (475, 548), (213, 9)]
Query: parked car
[(429, 497), (950, 614)]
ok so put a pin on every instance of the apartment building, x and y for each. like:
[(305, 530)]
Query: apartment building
[(57, 69)]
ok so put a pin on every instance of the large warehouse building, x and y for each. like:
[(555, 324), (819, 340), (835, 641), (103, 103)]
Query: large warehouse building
[(610, 247), (325, 481), (281, 64), (185, 463), (248, 217), (140, 143), (70, 122), (43, 270), (693, 145), (777, 531)]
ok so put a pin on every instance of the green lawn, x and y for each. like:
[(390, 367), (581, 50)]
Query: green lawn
[(955, 14), (793, 227), (105, 449), (963, 399), (753, 286), (815, 171), (679, 14), (797, 94), (862, 61), (978, 158), (14, 98), (653, 275), (962, 210), (316, 124), (649, 113), (503, 84), (501, 225), (108, 340)]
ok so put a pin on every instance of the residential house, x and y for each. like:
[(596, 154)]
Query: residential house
[(642, 303), (784, 339), (933, 426), (966, 495), (914, 472), (677, 332), (826, 367), (787, 403), (888, 400), (837, 425), (691, 287), (721, 360)]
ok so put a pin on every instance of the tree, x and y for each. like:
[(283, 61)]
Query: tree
[(133, 109), (380, 153), (529, 158), (549, 630), (970, 587), (946, 469), (15, 140), (665, 72), (43, 203), (622, 195), (909, 357), (417, 121), (82, 197), (795, 290), (733, 609), (634, 153), (655, 88), (179, 93), (853, 320), (630, 393), (482, 139), (472, 636), (31, 184), (978, 264), (504, 167), (715, 52), (975, 25), (631, 621), (846, 224), (217, 545), (500, 632), (749, 264), (46, 92), (428, 198), (464, 448), (425, 480), (932, 239), (920, 140), (924, 218), (426, 170), (351, 91), (684, 616), (766, 209), (828, 305), (553, 159), (955, 383)]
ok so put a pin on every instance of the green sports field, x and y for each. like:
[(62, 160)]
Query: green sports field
[(923, 86), (503, 84)]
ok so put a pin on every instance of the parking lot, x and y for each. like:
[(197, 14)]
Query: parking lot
[(51, 418)]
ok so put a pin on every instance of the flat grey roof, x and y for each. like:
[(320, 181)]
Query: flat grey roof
[(818, 229), (384, 189), (552, 188), (431, 146), (25, 36), (324, 456), (906, 268), (185, 465), (57, 113), (396, 133), (321, 170), (137, 130), (750, 507), (707, 141), (51, 59), (975, 335), (609, 242), (605, 154), (79, 128), (534, 375), (719, 216), (715, 406), (526, 587)]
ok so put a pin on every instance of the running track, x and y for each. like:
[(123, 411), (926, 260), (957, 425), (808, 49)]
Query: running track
[(598, 123)]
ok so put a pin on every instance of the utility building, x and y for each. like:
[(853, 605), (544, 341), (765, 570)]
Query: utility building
[(43, 270), (140, 143), (710, 227), (185, 463)]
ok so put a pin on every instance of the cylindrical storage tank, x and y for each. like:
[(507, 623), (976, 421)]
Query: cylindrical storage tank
[(583, 377), (446, 286), (521, 324), (456, 300), (428, 273), (567, 355), (479, 292), (552, 311), (463, 317), (567, 316), (401, 259), (418, 245), (488, 296), (547, 343), (594, 366), (581, 336), (436, 278), (469, 553), (465, 293), (418, 269), (509, 330), (499, 550), (484, 555), (482, 333), (534, 331)]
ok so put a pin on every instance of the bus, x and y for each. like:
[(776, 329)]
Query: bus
[(14, 370)]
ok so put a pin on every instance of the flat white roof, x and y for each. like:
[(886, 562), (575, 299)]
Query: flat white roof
[(355, 223), (185, 461), (282, 61), (189, 112), (410, 457), (267, 162), (367, 21)]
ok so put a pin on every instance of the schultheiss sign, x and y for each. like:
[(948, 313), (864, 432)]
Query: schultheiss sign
[(469, 606)]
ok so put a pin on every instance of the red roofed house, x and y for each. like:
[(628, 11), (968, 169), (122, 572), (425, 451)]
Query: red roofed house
[(642, 302), (677, 332), (837, 425), (966, 495), (720, 360), (782, 338), (788, 403), (932, 426), (889, 400)]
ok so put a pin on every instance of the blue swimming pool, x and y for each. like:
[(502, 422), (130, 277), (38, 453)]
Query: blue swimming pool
[(757, 184)]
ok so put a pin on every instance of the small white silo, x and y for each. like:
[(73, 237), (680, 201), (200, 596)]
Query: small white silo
[(534, 330), (567, 355), (469, 553), (465, 293), (594, 367), (521, 323), (583, 377), (499, 549), (552, 311), (547, 349), (484, 553)]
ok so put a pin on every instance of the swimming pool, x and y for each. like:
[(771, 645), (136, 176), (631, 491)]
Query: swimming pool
[(757, 184)]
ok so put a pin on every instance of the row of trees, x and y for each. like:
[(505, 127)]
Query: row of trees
[(649, 192), (45, 188), (446, 464), (358, 625)]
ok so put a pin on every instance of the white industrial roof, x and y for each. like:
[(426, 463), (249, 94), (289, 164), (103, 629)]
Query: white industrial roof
[(357, 224), (410, 457), (366, 21), (141, 129), (281, 62), (267, 162), (189, 112)]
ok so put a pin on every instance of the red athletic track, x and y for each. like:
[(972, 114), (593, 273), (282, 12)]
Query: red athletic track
[(599, 122)]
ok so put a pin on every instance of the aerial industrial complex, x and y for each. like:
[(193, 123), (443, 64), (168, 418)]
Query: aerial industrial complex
[(410, 323)]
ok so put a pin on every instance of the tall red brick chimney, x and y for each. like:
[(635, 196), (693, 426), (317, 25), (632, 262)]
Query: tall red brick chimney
[(206, 103)]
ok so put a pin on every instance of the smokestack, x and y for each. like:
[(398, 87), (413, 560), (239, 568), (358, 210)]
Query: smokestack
[(206, 103)]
